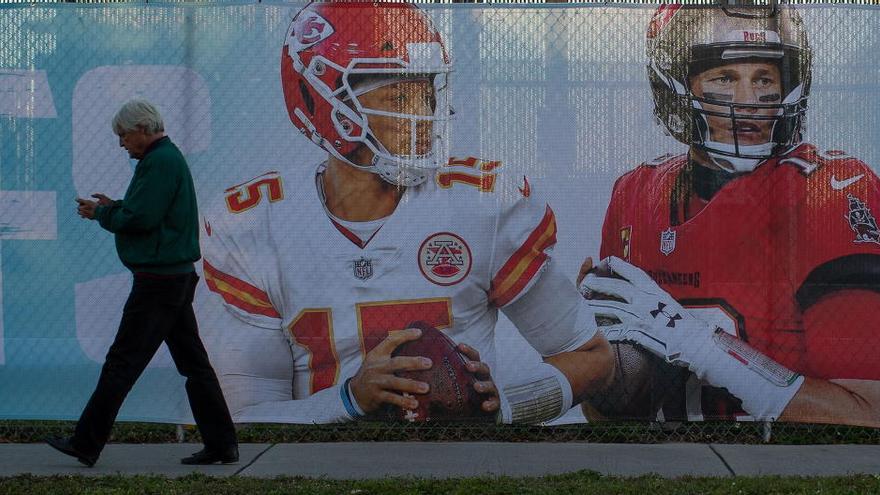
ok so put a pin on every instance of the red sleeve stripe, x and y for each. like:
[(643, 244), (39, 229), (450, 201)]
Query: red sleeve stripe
[(522, 266), (239, 293)]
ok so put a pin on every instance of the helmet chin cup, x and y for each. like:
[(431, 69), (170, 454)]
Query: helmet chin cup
[(401, 174), (734, 164), (737, 160), (408, 170)]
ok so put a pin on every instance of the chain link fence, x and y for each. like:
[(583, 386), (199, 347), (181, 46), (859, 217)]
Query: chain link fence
[(607, 432), (559, 91)]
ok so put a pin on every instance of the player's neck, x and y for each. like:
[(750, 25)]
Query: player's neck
[(358, 195), (701, 158)]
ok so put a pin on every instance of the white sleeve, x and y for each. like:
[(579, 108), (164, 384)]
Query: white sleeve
[(553, 316), (233, 248), (323, 407), (524, 237), (255, 369), (253, 364)]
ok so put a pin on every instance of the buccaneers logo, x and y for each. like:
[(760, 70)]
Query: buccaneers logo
[(661, 19), (861, 221)]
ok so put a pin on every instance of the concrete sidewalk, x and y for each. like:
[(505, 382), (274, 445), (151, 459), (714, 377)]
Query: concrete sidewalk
[(461, 459)]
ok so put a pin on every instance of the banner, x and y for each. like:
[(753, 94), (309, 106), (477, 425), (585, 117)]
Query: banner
[(725, 158)]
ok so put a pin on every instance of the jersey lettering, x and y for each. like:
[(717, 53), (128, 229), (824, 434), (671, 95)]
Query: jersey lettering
[(484, 181), (244, 197), (313, 329)]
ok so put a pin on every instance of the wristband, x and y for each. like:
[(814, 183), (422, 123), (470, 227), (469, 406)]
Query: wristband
[(351, 406), (546, 396)]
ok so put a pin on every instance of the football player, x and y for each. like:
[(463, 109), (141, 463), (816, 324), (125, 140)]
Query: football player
[(758, 254), (326, 265)]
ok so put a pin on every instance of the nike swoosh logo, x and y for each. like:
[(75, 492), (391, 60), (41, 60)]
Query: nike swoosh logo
[(840, 184)]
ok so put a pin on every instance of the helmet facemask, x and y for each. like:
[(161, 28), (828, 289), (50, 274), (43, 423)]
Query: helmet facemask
[(419, 146), (351, 119), (686, 41), (785, 113)]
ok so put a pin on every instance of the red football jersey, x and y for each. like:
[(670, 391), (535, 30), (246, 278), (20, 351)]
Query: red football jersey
[(741, 259)]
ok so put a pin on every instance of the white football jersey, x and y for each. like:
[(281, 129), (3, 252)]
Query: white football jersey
[(453, 252)]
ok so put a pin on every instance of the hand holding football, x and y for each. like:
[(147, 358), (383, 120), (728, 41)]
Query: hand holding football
[(451, 395)]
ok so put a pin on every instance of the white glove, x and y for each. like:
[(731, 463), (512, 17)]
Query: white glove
[(650, 317)]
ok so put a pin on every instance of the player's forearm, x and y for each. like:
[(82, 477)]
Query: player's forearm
[(323, 407), (589, 369), (855, 402)]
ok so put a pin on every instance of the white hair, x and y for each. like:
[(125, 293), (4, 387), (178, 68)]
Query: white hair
[(138, 114)]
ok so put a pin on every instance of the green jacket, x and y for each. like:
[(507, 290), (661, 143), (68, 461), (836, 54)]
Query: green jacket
[(156, 223)]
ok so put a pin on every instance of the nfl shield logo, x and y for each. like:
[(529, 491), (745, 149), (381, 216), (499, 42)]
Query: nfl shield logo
[(667, 241), (363, 269)]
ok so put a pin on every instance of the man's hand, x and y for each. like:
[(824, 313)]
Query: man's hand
[(86, 208), (586, 266), (484, 385), (375, 382), (102, 200), (649, 316)]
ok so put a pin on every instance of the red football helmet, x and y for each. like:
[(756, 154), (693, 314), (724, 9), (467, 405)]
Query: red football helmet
[(329, 46)]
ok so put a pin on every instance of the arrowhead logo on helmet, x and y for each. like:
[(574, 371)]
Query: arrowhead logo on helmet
[(307, 31)]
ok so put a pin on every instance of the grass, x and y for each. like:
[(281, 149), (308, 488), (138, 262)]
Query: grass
[(583, 482)]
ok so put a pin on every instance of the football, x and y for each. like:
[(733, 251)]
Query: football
[(643, 384), (451, 396), (630, 396)]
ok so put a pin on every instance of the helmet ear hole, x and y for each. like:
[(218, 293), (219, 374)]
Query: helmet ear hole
[(347, 126), (307, 97)]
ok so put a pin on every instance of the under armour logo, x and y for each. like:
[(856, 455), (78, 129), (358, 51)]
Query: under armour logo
[(660, 310)]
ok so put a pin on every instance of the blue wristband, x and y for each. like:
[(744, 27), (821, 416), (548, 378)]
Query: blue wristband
[(348, 403)]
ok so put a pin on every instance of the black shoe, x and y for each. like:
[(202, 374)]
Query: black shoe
[(205, 456), (65, 446)]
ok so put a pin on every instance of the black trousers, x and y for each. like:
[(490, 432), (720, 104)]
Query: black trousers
[(158, 309)]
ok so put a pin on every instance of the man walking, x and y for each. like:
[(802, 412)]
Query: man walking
[(156, 231)]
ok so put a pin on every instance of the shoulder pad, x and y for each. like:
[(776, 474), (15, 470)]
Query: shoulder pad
[(810, 159)]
